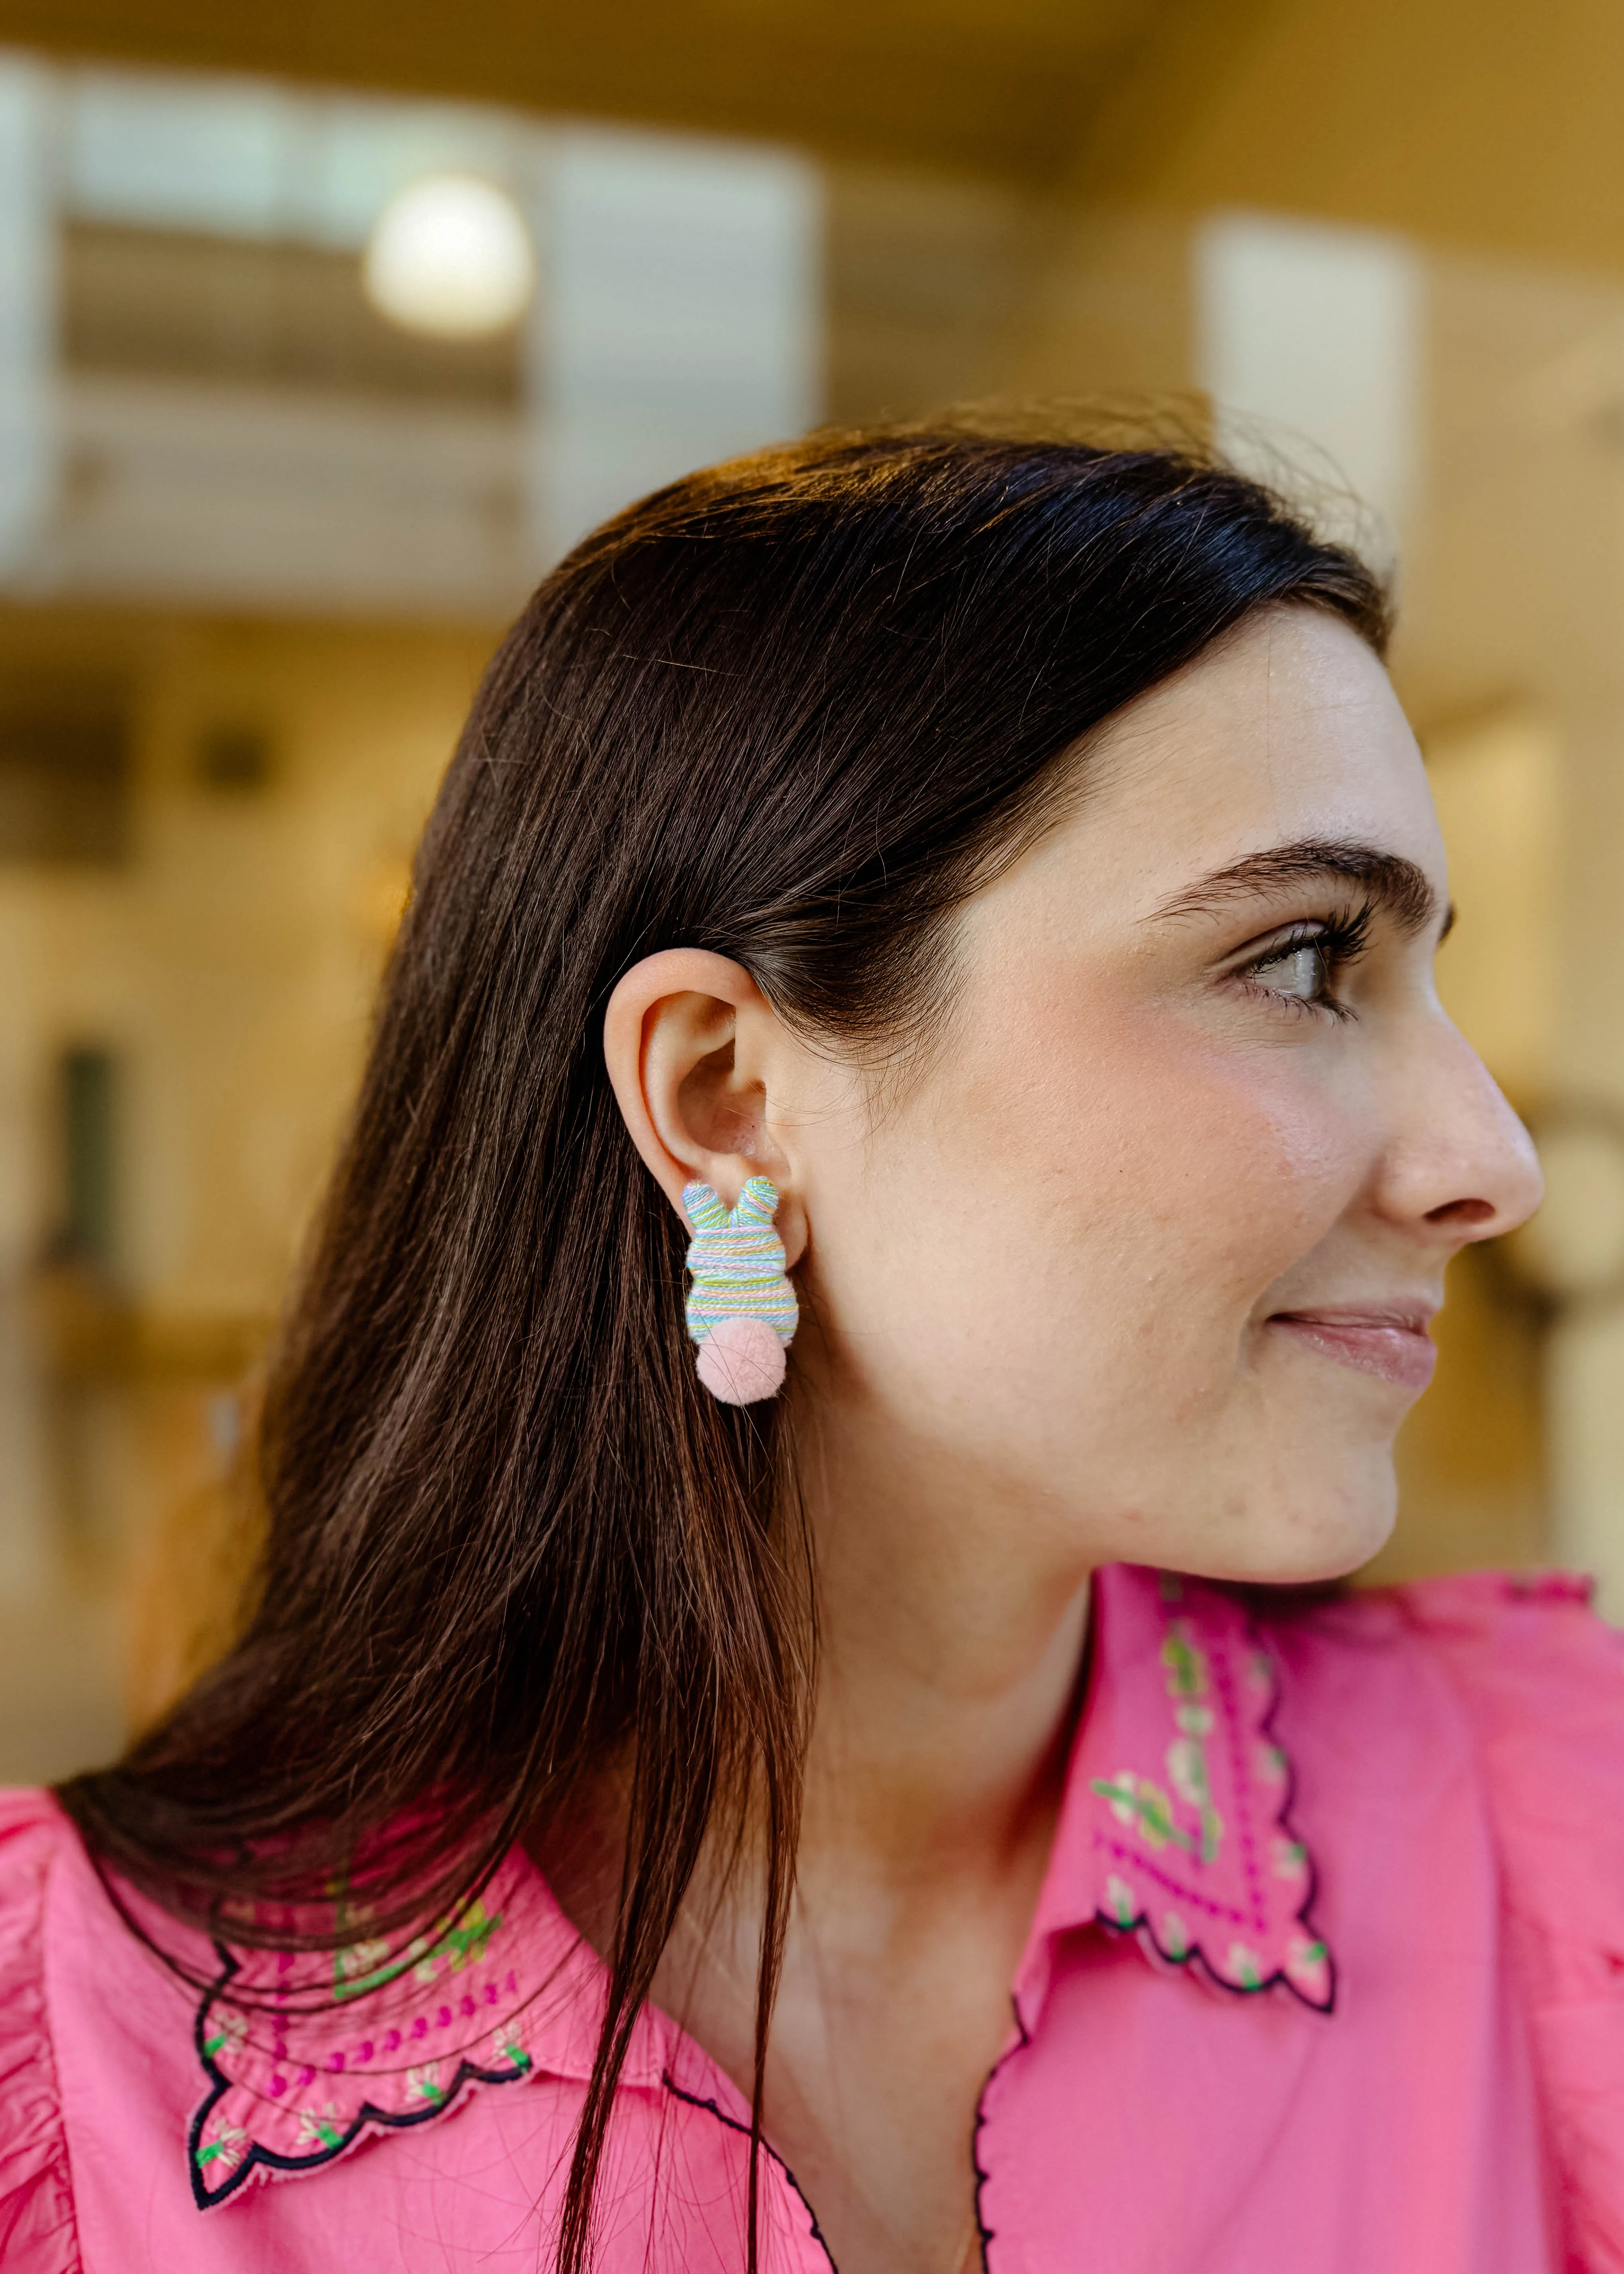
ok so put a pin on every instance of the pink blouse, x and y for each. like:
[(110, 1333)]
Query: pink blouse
[(1327, 1976)]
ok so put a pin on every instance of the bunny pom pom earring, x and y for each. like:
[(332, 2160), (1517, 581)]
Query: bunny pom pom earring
[(741, 1310)]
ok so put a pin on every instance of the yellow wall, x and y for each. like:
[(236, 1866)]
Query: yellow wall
[(230, 964), (1474, 122)]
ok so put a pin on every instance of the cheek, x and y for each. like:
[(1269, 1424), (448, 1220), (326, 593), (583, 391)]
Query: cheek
[(1239, 1171), (1078, 1224), (1149, 1173)]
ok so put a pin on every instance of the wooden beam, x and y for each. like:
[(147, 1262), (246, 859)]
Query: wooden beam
[(994, 87)]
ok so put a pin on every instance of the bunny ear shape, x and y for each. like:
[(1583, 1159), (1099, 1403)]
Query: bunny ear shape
[(758, 1202), (702, 1207)]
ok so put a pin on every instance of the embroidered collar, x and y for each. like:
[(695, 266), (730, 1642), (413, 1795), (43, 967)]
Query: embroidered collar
[(306, 2055), (1175, 1825), (1173, 1829)]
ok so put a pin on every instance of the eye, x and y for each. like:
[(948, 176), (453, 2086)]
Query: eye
[(1301, 966), (1300, 971)]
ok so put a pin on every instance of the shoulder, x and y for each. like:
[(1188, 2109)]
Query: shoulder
[(32, 1828), (1517, 1669), (37, 2227), (1520, 1657), (1540, 1679)]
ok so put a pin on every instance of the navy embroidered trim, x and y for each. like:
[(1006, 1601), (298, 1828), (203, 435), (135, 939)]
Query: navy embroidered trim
[(207, 2198)]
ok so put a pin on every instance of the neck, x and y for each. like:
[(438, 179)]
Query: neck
[(950, 1676), (950, 1672)]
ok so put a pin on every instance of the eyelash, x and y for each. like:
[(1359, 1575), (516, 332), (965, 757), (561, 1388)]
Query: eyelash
[(1339, 939)]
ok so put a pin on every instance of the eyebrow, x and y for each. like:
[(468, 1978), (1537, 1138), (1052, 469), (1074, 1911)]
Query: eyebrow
[(1393, 883)]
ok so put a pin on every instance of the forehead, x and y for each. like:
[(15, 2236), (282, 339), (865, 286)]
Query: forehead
[(1287, 730)]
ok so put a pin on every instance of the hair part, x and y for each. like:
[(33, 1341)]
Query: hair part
[(796, 709)]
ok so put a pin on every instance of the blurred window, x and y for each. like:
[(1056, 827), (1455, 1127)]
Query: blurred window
[(88, 1133), (202, 404), (65, 774)]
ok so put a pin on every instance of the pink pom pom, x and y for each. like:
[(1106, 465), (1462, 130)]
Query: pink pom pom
[(742, 1361)]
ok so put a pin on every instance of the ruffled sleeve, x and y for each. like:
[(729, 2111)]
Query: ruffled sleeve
[(38, 2232), (1542, 1681)]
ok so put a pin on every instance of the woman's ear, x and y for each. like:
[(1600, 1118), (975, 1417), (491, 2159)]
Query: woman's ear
[(690, 1042)]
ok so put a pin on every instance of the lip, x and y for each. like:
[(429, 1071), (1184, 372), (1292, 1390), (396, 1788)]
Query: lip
[(1387, 1340)]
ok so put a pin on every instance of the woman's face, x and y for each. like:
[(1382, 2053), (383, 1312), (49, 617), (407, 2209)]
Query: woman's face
[(1143, 1257)]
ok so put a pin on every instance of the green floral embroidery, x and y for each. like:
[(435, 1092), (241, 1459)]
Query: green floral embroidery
[(1175, 1936), (1135, 1800), (363, 1965), (1204, 1675), (1188, 1684), (225, 2150), (1185, 1663), (425, 2083), (1308, 1966), (461, 1943), (359, 1965), (316, 2126), (1123, 1900), (1245, 1966), (231, 2030)]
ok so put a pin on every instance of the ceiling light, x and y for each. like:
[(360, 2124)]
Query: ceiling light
[(450, 255)]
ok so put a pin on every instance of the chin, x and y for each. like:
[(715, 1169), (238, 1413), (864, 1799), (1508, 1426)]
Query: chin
[(1356, 1524), (1327, 1528)]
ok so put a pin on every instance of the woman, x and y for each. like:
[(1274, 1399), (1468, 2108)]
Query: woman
[(991, 880)]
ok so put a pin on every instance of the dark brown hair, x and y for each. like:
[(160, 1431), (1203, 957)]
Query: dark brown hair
[(794, 710)]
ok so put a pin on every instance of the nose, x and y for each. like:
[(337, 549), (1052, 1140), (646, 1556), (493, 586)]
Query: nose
[(1461, 1162)]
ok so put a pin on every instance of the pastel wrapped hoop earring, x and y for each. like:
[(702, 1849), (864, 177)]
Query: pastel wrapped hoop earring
[(741, 1310)]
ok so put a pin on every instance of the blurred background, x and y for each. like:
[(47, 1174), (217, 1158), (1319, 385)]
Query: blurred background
[(324, 330)]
